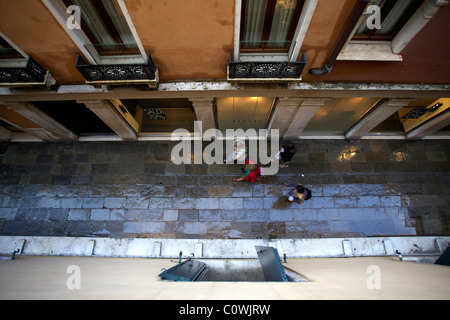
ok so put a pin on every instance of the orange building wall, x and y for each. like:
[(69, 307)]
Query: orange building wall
[(30, 25), (188, 40), (326, 25), (425, 59)]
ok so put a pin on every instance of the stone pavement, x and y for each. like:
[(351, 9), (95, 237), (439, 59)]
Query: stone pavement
[(131, 189)]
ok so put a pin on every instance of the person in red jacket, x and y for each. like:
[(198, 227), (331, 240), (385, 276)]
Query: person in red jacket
[(251, 172)]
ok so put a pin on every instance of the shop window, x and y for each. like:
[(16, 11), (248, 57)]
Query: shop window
[(75, 117), (269, 25), (162, 115), (7, 51), (337, 115)]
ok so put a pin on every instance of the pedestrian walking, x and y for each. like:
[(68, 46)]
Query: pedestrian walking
[(298, 194), (251, 172), (238, 152), (286, 153)]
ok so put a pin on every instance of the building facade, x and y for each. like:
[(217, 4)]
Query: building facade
[(137, 70)]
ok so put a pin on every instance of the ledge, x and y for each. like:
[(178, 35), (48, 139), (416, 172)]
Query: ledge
[(222, 248), (369, 51)]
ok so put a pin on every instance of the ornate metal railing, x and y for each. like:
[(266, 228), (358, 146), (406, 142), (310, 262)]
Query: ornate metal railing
[(118, 73), (266, 71), (31, 73)]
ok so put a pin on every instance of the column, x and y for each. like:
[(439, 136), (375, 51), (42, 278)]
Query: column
[(204, 111), (5, 134), (374, 117), (431, 126), (284, 112), (51, 130), (109, 115), (305, 112)]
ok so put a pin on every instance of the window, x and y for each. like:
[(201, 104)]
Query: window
[(269, 25), (7, 51), (393, 13), (105, 26)]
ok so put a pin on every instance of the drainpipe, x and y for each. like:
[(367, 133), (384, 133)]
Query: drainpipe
[(358, 10)]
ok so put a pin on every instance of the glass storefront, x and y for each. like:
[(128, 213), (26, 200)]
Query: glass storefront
[(75, 117), (243, 112), (162, 115), (337, 115), (412, 116)]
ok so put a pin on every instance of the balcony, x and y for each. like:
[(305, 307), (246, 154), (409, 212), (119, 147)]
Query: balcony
[(119, 74), (24, 73), (265, 71)]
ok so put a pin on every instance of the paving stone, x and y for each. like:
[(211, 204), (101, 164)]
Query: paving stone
[(231, 215), (328, 214), (132, 227), (281, 215), (92, 203), (131, 189), (269, 202), (390, 201), (195, 228), (151, 215), (209, 215), (152, 191), (321, 202), (345, 202), (368, 201), (305, 214), (159, 203), (79, 214), (220, 191), (8, 213), (137, 203), (170, 215), (47, 202), (174, 191), (253, 203), (187, 215), (99, 214), (115, 214), (152, 227), (184, 203), (208, 203), (231, 203), (114, 203), (258, 190), (242, 191), (257, 215)]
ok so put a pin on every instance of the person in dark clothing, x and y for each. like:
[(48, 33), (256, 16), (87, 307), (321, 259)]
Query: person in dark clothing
[(298, 194), (287, 151)]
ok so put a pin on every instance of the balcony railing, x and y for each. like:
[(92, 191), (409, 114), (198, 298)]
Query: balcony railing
[(30, 73), (265, 71), (120, 74)]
